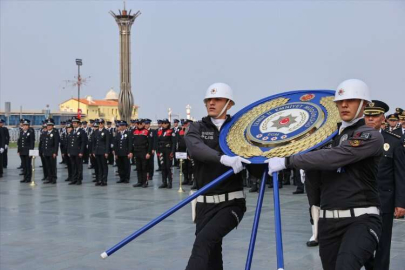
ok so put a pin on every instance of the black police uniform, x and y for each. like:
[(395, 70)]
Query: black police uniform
[(122, 148), (142, 145), (349, 224), (111, 131), (101, 145), (391, 187), (62, 137), (187, 165), (26, 143), (176, 130), (165, 150), (86, 149), (69, 163), (50, 149), (6, 136), (2, 145), (213, 220), (151, 161), (76, 145), (18, 150), (41, 147)]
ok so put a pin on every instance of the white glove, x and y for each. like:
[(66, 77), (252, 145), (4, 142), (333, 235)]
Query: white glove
[(1, 150), (275, 164), (6, 146), (235, 162), (302, 172)]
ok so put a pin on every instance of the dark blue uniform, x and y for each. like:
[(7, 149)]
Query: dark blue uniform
[(26, 142), (122, 148), (101, 147), (51, 147)]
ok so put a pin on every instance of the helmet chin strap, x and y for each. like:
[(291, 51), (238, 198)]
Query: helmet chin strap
[(358, 111), (223, 110)]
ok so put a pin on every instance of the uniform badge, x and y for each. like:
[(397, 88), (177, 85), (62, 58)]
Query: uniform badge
[(354, 143), (344, 138), (125, 135), (51, 135), (386, 146), (307, 97), (78, 133), (102, 134), (28, 134)]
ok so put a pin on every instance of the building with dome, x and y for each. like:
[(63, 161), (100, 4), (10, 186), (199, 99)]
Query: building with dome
[(106, 108)]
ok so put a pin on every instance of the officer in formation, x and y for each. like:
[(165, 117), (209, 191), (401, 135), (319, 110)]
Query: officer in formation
[(2, 149), (112, 132), (159, 122), (142, 147), (62, 136), (50, 151), (91, 159), (123, 151), (41, 146), (187, 168), (69, 134), (400, 130), (6, 137), (101, 148), (86, 130), (151, 160), (165, 149), (26, 142), (350, 224), (176, 129), (76, 145), (390, 180)]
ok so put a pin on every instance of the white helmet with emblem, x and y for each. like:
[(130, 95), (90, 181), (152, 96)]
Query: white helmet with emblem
[(353, 89), (219, 90)]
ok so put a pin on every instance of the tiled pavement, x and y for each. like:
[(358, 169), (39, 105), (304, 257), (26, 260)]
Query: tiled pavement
[(67, 227)]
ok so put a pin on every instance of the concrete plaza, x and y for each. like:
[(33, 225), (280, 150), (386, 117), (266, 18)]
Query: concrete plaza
[(68, 227)]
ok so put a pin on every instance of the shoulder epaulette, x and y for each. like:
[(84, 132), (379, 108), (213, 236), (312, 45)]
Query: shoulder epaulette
[(393, 134)]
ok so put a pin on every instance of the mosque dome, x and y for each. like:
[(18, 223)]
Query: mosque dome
[(111, 95)]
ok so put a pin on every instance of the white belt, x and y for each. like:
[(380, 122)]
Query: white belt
[(221, 197), (355, 212)]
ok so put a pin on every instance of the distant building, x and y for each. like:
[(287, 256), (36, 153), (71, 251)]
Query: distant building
[(106, 108), (36, 117)]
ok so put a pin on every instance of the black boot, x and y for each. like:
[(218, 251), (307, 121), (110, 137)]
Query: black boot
[(164, 185), (254, 188), (170, 183), (137, 185), (73, 182)]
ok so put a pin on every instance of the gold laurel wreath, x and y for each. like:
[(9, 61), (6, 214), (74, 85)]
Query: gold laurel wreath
[(239, 145)]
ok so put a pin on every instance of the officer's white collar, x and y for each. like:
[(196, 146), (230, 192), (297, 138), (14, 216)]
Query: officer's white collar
[(349, 124), (218, 122)]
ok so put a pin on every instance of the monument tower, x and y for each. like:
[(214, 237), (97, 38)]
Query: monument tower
[(125, 98)]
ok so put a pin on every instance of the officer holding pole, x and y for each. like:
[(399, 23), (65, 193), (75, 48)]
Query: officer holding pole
[(350, 222), (221, 209)]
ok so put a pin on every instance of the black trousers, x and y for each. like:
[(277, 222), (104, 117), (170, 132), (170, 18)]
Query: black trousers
[(151, 165), (141, 167), (165, 164), (27, 165), (1, 163), (102, 168), (86, 155), (213, 222), (124, 168), (51, 166), (44, 169), (70, 168), (382, 256), (348, 243), (5, 158), (297, 180), (77, 168), (187, 170)]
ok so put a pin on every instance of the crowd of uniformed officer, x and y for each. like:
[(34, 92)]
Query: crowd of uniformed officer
[(93, 143)]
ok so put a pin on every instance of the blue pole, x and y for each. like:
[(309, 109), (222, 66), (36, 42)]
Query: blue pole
[(277, 221), (166, 214), (256, 220)]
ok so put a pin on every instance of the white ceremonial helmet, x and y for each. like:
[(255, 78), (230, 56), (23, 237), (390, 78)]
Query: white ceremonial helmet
[(219, 90), (352, 89)]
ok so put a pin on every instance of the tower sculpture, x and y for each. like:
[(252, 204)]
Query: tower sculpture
[(125, 97)]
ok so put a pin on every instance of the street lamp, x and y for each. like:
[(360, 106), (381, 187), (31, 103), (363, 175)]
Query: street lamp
[(78, 63)]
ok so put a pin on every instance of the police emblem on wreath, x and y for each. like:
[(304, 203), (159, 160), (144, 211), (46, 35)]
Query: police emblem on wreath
[(281, 125)]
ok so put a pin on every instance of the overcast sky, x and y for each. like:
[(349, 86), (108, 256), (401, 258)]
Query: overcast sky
[(179, 48)]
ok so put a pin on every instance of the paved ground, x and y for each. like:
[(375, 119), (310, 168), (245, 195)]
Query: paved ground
[(67, 227)]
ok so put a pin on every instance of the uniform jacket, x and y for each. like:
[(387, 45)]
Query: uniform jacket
[(202, 140), (391, 173), (181, 143), (349, 168), (6, 135), (398, 131), (26, 142), (123, 143), (166, 140), (101, 143), (51, 142), (41, 144), (76, 142), (142, 141)]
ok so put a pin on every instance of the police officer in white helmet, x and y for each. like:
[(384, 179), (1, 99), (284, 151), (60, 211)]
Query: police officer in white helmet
[(350, 222), (221, 209)]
